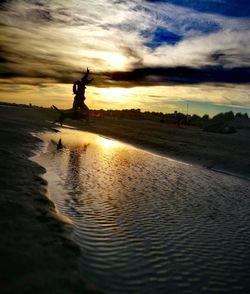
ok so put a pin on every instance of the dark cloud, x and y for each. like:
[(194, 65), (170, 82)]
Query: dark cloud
[(225, 57), (3, 4), (217, 56), (130, 52), (220, 57), (179, 75), (147, 76), (40, 15)]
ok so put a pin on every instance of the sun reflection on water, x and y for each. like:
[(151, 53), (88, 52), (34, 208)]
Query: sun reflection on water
[(74, 139), (107, 143)]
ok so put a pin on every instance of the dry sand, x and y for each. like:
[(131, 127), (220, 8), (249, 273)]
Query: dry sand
[(37, 255)]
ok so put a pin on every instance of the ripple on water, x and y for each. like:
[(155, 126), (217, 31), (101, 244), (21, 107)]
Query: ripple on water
[(147, 224)]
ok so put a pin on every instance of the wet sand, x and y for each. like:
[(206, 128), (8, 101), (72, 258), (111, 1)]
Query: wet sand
[(37, 254)]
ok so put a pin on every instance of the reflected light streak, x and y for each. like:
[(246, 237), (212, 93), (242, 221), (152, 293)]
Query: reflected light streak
[(78, 139), (108, 144)]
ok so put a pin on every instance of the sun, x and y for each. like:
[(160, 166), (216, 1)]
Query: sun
[(115, 60)]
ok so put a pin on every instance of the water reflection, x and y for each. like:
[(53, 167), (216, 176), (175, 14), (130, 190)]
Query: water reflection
[(107, 143), (74, 167), (146, 224), (78, 139)]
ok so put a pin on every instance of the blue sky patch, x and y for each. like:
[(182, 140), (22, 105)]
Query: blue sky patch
[(236, 8), (162, 36), (202, 26)]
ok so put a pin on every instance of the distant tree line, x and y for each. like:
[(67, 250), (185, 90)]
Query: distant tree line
[(174, 117), (226, 122)]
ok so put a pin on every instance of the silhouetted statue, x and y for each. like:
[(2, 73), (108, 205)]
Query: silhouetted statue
[(79, 91)]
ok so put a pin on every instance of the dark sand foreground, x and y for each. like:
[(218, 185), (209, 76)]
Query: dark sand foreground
[(37, 255)]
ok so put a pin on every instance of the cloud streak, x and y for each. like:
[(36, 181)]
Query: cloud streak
[(183, 75)]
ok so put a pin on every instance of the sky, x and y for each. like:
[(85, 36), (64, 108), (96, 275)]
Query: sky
[(153, 55)]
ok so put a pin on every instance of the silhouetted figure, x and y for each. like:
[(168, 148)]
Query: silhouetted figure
[(177, 117), (59, 144), (178, 120), (79, 91), (188, 120)]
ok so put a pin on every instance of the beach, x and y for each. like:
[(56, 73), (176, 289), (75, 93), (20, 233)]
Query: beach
[(37, 252)]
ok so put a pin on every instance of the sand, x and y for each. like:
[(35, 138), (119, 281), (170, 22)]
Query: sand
[(37, 255)]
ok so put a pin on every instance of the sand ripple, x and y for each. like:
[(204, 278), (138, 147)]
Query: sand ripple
[(146, 224)]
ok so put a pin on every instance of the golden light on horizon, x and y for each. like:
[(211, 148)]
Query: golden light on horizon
[(116, 94), (202, 99)]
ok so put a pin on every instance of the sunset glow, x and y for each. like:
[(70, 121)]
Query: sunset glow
[(142, 54)]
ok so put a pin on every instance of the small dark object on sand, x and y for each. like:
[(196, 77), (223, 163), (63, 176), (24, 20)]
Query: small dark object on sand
[(59, 144)]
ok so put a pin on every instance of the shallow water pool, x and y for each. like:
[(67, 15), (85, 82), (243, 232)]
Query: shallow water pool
[(148, 224)]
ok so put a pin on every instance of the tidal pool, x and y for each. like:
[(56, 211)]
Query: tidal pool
[(148, 224)]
